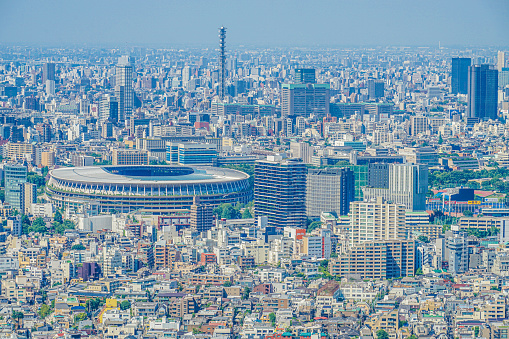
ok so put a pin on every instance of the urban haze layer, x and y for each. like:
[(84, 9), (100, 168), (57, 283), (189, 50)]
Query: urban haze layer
[(254, 193)]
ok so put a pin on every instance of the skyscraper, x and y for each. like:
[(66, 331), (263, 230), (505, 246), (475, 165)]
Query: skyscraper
[(124, 87), (305, 100), (482, 92), (502, 60), (305, 76), (408, 185), (108, 109), (280, 191), (376, 89), (15, 177), (329, 190), (48, 72), (459, 75)]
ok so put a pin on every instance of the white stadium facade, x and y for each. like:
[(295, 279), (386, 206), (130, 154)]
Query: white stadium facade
[(151, 189)]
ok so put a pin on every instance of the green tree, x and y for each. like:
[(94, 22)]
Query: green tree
[(381, 334), (80, 317), (314, 225), (423, 238), (419, 271), (78, 247), (227, 283), (246, 214), (36, 179), (58, 217), (272, 318), (468, 213), (229, 212), (124, 305), (245, 294), (440, 139), (44, 311)]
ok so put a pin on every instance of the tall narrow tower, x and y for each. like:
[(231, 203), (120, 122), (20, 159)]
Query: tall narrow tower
[(222, 61)]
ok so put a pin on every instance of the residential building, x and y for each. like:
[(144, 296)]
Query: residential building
[(280, 191)]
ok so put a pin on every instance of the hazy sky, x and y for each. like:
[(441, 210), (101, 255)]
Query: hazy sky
[(299, 23)]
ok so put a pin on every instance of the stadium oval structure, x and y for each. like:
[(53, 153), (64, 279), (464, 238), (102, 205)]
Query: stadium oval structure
[(151, 189)]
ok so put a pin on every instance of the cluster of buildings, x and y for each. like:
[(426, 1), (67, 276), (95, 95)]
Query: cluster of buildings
[(268, 195)]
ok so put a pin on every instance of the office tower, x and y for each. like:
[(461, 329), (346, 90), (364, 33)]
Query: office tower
[(329, 190), (202, 218), (482, 92), (502, 60), (108, 109), (191, 153), (222, 61), (305, 100), (376, 89), (48, 72), (29, 196), (383, 259), (124, 87), (376, 219), (80, 160), (15, 176), (280, 191), (305, 76), (408, 185), (459, 75), (107, 130), (378, 175), (302, 150), (418, 125), (50, 87)]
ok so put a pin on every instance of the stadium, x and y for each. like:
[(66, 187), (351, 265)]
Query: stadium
[(150, 189)]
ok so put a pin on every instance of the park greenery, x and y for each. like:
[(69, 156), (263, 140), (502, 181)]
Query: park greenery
[(441, 180), (239, 211)]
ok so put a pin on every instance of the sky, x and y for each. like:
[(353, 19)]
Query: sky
[(257, 23)]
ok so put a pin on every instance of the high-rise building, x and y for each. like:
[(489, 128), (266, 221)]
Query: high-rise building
[(459, 75), (502, 60), (108, 109), (124, 87), (187, 153), (305, 100), (305, 76), (329, 190), (482, 92), (48, 72), (302, 150), (408, 185), (376, 220), (280, 191), (202, 218), (15, 176), (378, 175), (376, 89), (29, 196)]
